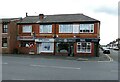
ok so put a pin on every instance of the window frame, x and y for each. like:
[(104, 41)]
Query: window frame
[(5, 28), (23, 27), (4, 42), (86, 27), (86, 47), (62, 25), (45, 26), (46, 44)]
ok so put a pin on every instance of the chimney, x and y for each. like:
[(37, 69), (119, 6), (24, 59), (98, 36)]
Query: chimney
[(26, 14), (41, 16)]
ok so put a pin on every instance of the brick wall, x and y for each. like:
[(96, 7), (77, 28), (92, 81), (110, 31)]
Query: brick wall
[(0, 38)]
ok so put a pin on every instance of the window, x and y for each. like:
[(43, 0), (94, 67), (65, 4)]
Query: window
[(76, 28), (27, 28), (62, 47), (84, 47), (26, 44), (47, 47), (86, 28), (65, 28), (45, 28), (4, 42), (5, 28)]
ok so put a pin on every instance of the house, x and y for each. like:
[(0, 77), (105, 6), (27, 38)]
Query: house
[(63, 34), (8, 31), (114, 44), (0, 37)]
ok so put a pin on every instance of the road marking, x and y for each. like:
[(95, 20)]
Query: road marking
[(114, 71), (17, 79), (4, 63), (103, 61), (110, 59), (55, 67)]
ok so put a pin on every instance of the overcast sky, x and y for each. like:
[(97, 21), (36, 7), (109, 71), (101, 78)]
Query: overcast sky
[(104, 10)]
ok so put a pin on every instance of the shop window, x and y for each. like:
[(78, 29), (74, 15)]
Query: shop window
[(86, 28), (47, 47), (4, 42), (26, 44), (84, 47), (62, 47)]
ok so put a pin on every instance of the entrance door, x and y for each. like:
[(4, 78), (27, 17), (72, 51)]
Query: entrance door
[(71, 49), (96, 49), (39, 48)]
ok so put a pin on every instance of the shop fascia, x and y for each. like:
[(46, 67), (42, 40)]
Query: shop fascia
[(44, 40)]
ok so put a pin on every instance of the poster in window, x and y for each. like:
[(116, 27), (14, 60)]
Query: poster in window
[(47, 47)]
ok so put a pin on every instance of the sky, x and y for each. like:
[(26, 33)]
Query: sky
[(105, 11)]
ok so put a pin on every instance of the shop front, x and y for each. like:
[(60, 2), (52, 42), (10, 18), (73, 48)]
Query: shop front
[(77, 46), (64, 46), (26, 44), (87, 47), (45, 46)]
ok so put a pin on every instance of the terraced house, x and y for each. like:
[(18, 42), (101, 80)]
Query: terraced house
[(8, 31), (63, 34)]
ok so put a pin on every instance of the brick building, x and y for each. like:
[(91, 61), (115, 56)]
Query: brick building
[(0, 37), (64, 34), (8, 30)]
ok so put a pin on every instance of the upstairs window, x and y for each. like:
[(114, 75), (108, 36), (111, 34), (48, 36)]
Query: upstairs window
[(65, 28), (45, 28), (27, 29), (5, 28), (86, 28)]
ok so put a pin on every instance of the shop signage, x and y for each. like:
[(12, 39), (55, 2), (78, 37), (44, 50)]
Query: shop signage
[(44, 40), (82, 40), (25, 38), (64, 40), (88, 40)]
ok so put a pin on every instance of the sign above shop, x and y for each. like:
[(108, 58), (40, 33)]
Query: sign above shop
[(64, 40), (25, 38), (88, 40), (44, 40)]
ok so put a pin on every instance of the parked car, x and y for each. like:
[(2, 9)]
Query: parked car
[(115, 48), (106, 51)]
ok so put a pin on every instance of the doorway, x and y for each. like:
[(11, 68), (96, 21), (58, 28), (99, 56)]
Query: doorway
[(71, 49), (65, 47)]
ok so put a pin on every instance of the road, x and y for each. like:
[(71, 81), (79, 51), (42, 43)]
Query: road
[(114, 54), (21, 68)]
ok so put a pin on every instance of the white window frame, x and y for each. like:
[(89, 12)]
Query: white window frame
[(80, 44), (48, 28), (76, 28), (87, 27), (65, 28), (27, 29), (5, 28)]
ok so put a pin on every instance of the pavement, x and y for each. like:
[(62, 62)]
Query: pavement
[(102, 57)]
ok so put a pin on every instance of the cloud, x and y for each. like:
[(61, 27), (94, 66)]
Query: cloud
[(107, 10)]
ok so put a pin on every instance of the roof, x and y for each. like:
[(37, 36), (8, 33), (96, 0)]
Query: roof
[(58, 18), (8, 19)]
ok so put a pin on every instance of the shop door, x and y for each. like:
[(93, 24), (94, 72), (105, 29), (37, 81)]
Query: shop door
[(38, 48), (71, 49), (96, 49)]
